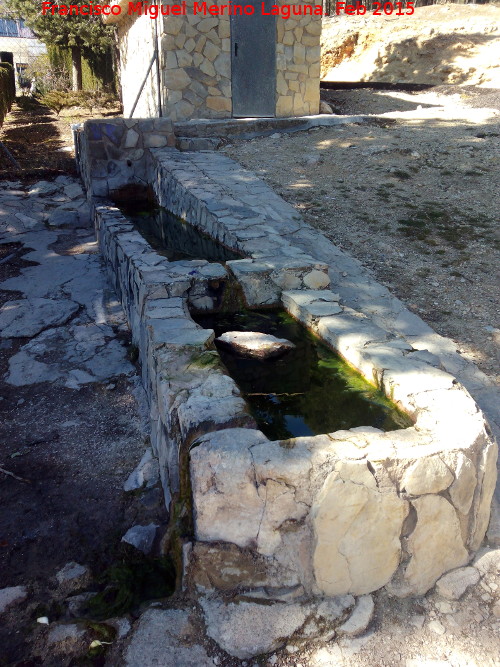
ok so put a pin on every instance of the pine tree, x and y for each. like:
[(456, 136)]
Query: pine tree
[(82, 34)]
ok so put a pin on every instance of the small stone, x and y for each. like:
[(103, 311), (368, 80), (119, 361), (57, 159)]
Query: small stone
[(145, 474), (454, 584), (325, 108), (316, 280), (487, 562), (276, 135), (360, 618), (254, 344), (43, 620), (141, 537), (435, 626), (495, 610), (313, 159), (73, 577), (444, 607), (76, 604), (110, 387), (11, 596), (417, 621)]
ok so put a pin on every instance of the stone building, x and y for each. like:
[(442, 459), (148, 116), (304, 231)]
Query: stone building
[(257, 64)]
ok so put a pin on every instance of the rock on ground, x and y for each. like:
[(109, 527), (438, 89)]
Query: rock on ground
[(11, 596), (67, 639), (360, 618), (145, 474), (141, 537), (165, 637), (247, 629), (73, 577), (255, 344), (453, 585)]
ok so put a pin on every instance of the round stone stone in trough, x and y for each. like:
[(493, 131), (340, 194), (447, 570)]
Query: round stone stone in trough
[(255, 344)]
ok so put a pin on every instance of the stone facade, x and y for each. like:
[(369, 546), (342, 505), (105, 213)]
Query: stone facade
[(115, 152), (195, 64), (331, 515)]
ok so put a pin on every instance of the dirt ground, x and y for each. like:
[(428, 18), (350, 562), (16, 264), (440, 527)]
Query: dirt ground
[(415, 196), (40, 140), (445, 43)]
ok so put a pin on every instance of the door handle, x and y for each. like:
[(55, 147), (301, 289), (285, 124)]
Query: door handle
[(236, 49)]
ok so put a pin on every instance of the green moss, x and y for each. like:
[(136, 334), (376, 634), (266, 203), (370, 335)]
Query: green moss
[(135, 578), (205, 359)]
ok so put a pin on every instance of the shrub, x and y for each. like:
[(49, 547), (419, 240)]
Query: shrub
[(57, 100), (7, 89), (47, 77)]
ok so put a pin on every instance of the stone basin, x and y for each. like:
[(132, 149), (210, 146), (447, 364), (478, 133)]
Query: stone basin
[(332, 514)]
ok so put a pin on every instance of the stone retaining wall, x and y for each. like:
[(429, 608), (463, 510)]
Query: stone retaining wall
[(346, 512), (115, 152)]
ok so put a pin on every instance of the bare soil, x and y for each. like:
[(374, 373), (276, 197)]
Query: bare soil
[(445, 43), (40, 140)]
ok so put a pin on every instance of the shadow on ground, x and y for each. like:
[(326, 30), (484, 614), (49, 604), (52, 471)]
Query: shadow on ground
[(31, 135)]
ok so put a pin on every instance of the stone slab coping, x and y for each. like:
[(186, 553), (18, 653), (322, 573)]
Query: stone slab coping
[(248, 128)]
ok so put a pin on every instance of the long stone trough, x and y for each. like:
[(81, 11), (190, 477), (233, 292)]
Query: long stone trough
[(326, 515)]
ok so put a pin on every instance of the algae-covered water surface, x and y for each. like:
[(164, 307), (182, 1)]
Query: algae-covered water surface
[(307, 391)]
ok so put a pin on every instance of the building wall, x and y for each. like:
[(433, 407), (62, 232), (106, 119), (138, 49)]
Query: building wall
[(298, 56), (136, 37), (195, 65)]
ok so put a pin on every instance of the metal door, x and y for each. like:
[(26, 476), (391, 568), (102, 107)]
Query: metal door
[(253, 62)]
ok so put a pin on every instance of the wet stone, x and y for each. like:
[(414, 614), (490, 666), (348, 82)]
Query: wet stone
[(254, 344)]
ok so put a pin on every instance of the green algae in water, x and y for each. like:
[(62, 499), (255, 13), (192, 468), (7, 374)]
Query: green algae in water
[(308, 391)]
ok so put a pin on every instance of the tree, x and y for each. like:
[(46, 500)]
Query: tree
[(82, 34)]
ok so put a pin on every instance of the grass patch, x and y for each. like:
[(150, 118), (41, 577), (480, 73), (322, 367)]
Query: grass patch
[(438, 225), (401, 174)]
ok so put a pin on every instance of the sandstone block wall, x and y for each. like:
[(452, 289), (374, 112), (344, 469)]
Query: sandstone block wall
[(195, 64)]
